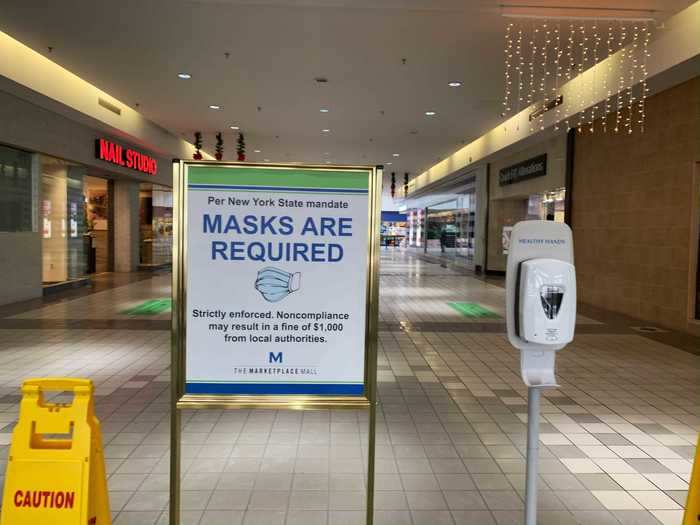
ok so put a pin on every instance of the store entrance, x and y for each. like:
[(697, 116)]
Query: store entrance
[(155, 226), (97, 238)]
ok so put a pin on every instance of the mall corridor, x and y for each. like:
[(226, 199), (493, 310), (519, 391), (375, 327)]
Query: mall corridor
[(617, 438), (350, 262)]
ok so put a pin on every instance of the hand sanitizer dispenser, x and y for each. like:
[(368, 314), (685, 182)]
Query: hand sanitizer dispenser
[(540, 296), (540, 319), (546, 301)]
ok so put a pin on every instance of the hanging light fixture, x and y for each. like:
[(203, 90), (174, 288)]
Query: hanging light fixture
[(580, 68), (557, 74), (508, 55), (594, 101), (608, 77), (560, 53)]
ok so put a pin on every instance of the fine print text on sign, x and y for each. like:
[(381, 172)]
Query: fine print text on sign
[(276, 280)]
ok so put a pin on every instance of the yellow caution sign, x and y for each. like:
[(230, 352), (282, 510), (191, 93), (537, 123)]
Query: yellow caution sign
[(692, 506), (55, 470)]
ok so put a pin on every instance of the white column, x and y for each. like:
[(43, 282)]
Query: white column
[(126, 225)]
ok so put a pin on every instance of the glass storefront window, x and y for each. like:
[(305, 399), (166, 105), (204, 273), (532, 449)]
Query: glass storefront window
[(74, 223), (441, 231), (451, 229), (415, 228), (62, 217), (156, 225), (16, 190)]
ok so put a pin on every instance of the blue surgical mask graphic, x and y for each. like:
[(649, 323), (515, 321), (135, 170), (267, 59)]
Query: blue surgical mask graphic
[(275, 284)]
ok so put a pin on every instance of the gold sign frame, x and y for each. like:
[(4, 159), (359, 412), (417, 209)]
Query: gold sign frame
[(180, 400)]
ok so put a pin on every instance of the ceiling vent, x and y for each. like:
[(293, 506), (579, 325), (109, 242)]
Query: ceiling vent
[(108, 105)]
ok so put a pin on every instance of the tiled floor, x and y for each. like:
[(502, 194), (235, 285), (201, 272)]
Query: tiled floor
[(617, 438)]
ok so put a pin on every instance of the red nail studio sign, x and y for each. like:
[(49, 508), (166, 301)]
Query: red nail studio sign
[(127, 157)]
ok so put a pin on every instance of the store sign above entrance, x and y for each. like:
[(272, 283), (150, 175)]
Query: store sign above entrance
[(528, 169), (122, 156)]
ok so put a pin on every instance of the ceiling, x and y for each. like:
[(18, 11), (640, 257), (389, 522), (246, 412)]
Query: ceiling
[(387, 62)]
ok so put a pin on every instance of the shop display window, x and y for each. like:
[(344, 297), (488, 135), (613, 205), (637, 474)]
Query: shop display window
[(415, 228), (17, 191), (394, 229), (450, 228), (156, 225), (74, 222), (63, 221)]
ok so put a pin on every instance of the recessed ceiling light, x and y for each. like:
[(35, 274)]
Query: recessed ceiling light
[(256, 151), (325, 130), (328, 162), (430, 113), (388, 163), (395, 154), (323, 110), (214, 106), (235, 127), (267, 160), (184, 76), (454, 83)]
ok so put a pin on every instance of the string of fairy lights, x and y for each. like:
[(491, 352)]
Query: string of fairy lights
[(542, 56)]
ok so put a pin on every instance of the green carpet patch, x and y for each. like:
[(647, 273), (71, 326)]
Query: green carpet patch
[(150, 307), (473, 310)]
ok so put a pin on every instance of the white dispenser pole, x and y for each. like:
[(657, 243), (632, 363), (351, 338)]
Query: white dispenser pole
[(533, 452)]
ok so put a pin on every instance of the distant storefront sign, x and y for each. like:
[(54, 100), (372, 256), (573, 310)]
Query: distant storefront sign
[(123, 156), (528, 169)]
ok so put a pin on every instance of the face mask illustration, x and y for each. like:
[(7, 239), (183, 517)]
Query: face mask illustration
[(275, 284)]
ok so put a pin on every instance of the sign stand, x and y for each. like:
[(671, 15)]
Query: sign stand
[(371, 447), (247, 242)]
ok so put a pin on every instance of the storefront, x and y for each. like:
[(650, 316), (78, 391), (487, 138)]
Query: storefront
[(394, 230), (71, 209), (77, 215), (447, 223), (526, 185)]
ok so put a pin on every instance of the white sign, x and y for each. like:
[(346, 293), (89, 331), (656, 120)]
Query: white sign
[(277, 271)]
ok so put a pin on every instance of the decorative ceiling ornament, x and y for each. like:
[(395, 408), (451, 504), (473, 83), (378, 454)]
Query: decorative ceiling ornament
[(542, 55), (219, 152), (240, 147), (197, 155)]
